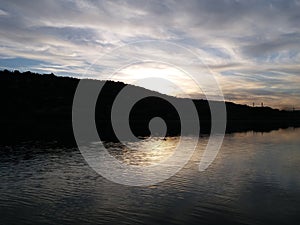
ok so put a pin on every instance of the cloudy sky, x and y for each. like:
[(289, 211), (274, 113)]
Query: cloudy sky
[(252, 48)]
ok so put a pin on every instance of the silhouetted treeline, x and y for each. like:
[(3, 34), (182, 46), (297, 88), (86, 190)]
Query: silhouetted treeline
[(35, 106)]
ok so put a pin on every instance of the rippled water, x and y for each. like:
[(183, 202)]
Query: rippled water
[(255, 179)]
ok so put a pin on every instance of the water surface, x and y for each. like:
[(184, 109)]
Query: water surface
[(253, 180)]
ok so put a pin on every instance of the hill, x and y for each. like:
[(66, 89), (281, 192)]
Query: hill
[(38, 107)]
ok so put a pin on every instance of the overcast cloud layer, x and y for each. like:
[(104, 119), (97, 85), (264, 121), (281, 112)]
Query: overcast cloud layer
[(252, 47)]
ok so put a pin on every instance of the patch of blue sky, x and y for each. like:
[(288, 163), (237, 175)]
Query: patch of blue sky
[(21, 64)]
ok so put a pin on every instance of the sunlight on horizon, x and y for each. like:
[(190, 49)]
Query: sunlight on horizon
[(159, 77)]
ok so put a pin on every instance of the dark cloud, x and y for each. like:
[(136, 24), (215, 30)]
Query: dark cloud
[(288, 43)]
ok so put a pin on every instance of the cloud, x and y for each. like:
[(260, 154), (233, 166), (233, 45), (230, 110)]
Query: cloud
[(252, 47), (3, 13)]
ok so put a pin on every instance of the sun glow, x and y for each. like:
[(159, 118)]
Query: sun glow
[(158, 77)]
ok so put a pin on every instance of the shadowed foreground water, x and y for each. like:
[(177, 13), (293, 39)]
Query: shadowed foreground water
[(254, 180)]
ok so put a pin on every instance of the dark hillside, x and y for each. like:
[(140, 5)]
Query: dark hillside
[(35, 106)]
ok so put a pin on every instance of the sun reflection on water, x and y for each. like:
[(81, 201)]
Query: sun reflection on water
[(145, 152)]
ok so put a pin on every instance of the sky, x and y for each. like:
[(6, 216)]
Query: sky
[(251, 47)]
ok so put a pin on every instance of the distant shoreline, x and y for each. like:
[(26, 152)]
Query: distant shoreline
[(39, 107)]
